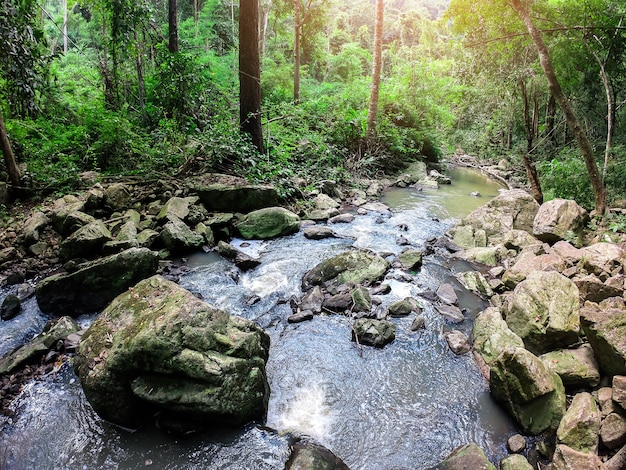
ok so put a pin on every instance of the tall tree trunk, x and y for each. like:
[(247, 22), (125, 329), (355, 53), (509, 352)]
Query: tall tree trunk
[(584, 145), (378, 55), (266, 7), (533, 178), (141, 88), (551, 119), (296, 50), (250, 72), (172, 19), (9, 159)]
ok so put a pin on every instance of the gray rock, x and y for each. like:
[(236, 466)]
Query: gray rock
[(372, 332), (492, 335), (528, 263), (117, 196), (466, 457), (459, 343), (358, 267), (580, 425), (11, 306), (593, 289), (242, 198), (516, 443), (178, 237), (177, 208), (451, 313), (319, 232), (86, 242), (94, 284), (447, 294), (474, 281), (606, 331), (324, 202), (267, 223), (576, 367), (543, 310), (602, 259), (406, 306), (613, 431), (557, 219), (308, 456), (299, 317), (566, 458), (158, 347), (346, 218), (241, 260), (411, 260), (619, 390), (515, 462), (419, 323), (33, 226)]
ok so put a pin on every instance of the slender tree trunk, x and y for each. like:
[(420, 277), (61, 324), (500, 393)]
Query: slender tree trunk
[(528, 127), (265, 18), (533, 178), (296, 50), (141, 88), (9, 159), (378, 55), (551, 119), (250, 72), (568, 111), (172, 19)]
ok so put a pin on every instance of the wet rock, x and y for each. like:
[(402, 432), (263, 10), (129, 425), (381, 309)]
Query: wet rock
[(516, 443), (308, 456), (361, 299), (56, 330), (566, 458), (319, 232), (346, 218), (94, 284), (580, 425), (447, 294), (533, 395), (474, 281), (267, 223), (373, 332), (439, 177), (339, 303), (313, 300), (466, 457), (451, 313), (406, 306), (11, 306), (158, 347), (241, 260), (606, 331), (411, 260), (358, 267), (85, 242), (419, 323), (544, 311), (576, 367), (557, 219), (299, 317), (613, 431), (376, 207), (457, 342)]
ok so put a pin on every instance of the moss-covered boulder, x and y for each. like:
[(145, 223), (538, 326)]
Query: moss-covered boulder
[(372, 332), (606, 332), (557, 219), (533, 395), (309, 456), (86, 242), (267, 223), (466, 457), (177, 236), (94, 284), (580, 425), (411, 260), (159, 348), (576, 367), (492, 335), (544, 310), (216, 196), (358, 267)]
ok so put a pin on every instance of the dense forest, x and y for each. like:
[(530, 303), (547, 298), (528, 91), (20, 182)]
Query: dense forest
[(152, 87)]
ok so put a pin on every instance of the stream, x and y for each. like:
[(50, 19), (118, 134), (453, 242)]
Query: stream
[(405, 406)]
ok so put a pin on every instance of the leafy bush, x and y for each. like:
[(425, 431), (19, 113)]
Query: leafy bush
[(566, 177)]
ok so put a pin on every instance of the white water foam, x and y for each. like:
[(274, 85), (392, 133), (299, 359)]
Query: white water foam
[(307, 413)]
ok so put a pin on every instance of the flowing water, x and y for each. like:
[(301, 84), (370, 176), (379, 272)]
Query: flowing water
[(405, 406)]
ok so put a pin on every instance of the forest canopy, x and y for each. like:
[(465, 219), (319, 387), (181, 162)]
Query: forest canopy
[(97, 85)]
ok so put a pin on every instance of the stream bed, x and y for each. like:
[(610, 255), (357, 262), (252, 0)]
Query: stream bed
[(405, 406)]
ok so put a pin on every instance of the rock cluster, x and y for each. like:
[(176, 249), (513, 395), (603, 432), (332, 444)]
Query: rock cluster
[(556, 326)]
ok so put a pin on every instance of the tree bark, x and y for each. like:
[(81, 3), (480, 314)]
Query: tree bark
[(296, 50), (9, 159), (378, 55), (172, 19), (551, 119), (250, 72), (568, 111)]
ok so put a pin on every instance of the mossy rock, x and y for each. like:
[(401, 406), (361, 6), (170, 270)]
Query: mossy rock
[(267, 223), (358, 267)]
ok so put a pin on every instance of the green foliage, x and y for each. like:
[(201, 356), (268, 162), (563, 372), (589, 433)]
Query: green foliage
[(566, 177)]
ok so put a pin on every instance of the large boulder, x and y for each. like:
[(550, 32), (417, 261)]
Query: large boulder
[(469, 456), (86, 242), (580, 425), (159, 348), (358, 267), (309, 456), (603, 259), (94, 284), (529, 262), (558, 219), (511, 210), (242, 197), (533, 395), (566, 458), (576, 367), (492, 335), (606, 332), (269, 222), (33, 226), (118, 196), (544, 311), (178, 237)]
